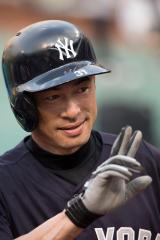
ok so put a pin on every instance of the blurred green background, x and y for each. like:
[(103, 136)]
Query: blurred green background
[(126, 37)]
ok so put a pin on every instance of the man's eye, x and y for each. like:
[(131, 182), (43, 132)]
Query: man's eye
[(52, 98), (83, 89)]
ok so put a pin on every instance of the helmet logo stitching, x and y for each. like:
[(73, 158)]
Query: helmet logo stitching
[(69, 51)]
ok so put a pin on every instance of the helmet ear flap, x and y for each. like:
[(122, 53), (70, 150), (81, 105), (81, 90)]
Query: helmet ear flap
[(25, 112)]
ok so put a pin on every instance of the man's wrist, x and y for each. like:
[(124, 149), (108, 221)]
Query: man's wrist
[(79, 214)]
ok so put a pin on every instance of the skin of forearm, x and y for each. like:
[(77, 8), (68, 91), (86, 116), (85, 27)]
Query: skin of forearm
[(57, 228)]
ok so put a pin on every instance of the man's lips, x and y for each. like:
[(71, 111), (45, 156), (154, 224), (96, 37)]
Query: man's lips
[(72, 126), (73, 129)]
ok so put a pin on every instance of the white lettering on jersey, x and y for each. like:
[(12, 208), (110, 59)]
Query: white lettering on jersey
[(144, 234), (69, 51), (158, 236), (125, 233), (101, 236)]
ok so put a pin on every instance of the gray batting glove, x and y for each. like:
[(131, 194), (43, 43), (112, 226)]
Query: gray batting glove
[(112, 183)]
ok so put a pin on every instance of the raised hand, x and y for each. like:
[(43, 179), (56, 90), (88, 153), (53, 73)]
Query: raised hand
[(112, 183)]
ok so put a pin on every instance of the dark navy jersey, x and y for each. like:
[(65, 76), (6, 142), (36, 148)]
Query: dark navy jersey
[(30, 194)]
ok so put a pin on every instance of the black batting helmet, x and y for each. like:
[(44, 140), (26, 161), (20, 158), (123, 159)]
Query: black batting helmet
[(41, 56)]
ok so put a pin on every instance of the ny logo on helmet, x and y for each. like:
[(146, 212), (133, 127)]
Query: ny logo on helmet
[(65, 49)]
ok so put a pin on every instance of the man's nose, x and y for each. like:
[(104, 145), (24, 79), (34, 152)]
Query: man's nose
[(71, 110)]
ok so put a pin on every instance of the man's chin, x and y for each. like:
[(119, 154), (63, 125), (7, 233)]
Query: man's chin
[(72, 144)]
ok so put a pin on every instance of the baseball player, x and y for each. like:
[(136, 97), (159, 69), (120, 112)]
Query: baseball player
[(65, 180)]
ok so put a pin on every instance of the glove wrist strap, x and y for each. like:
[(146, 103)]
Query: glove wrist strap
[(79, 214)]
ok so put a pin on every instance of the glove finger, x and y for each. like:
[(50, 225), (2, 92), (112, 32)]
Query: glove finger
[(113, 167), (123, 161), (124, 142), (137, 185), (112, 173), (117, 143), (134, 143)]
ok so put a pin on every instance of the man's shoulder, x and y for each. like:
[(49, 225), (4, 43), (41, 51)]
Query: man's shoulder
[(13, 155), (148, 148), (145, 148), (11, 169), (149, 155)]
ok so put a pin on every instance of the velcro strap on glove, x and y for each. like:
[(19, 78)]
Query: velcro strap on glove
[(79, 214)]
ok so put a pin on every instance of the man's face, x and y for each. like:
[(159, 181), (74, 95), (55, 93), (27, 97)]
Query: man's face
[(66, 116)]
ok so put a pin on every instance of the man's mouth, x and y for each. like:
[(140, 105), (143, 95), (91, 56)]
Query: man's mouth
[(73, 129)]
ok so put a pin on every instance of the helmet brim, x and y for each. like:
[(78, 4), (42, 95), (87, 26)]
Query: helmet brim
[(61, 75)]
